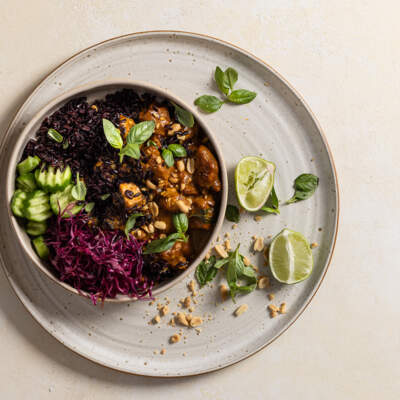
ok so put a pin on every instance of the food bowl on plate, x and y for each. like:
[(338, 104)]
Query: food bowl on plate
[(122, 190)]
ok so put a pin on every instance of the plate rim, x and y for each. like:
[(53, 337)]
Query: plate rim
[(321, 132)]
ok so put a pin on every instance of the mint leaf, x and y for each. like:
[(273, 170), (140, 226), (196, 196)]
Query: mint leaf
[(168, 157), (183, 116), (222, 80), (130, 223), (272, 203), (181, 222), (232, 213), (177, 150), (140, 132), (205, 271), (130, 150)]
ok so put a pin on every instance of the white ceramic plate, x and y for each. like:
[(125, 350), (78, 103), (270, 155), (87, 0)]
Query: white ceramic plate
[(277, 125)]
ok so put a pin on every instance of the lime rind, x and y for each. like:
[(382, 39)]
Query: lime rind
[(290, 257), (254, 180)]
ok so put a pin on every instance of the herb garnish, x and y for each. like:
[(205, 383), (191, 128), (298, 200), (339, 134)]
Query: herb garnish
[(78, 192), (89, 206), (232, 213), (236, 271), (160, 245), (304, 185), (183, 116), (130, 223), (137, 135), (172, 150), (55, 135), (272, 203), (206, 271), (225, 81)]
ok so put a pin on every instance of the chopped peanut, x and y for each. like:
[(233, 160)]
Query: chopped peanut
[(224, 291), (259, 244), (182, 206), (282, 308), (163, 351), (151, 185), (271, 296), (181, 319), (314, 245), (153, 207), (246, 261), (161, 225), (156, 319), (190, 165), (272, 307), (164, 310), (228, 245), (175, 338), (196, 321), (220, 251), (263, 282), (257, 218), (187, 301), (180, 165), (241, 309), (191, 286)]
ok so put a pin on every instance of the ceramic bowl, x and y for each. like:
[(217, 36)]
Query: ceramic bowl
[(98, 90)]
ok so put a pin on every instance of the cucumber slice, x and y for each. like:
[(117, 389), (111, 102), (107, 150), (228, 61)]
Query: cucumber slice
[(28, 165), (37, 207), (17, 203), (40, 247), (36, 228), (53, 180), (26, 182), (60, 200)]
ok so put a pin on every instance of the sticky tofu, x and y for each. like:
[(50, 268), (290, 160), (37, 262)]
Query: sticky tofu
[(133, 197)]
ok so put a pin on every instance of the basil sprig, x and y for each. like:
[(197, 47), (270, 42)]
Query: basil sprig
[(206, 271), (272, 203), (78, 192), (236, 272), (130, 223), (232, 213), (137, 135), (183, 116), (225, 81), (172, 150), (181, 224), (89, 206), (304, 185)]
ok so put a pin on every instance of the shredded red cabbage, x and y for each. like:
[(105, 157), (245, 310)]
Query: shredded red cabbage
[(100, 263)]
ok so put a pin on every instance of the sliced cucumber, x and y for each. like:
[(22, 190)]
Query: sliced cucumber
[(37, 207), (36, 228), (53, 180), (17, 203), (40, 247), (60, 200), (26, 182), (28, 165)]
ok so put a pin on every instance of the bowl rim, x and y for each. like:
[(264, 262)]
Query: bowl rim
[(82, 90)]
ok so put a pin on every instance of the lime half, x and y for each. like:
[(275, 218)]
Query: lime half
[(290, 257), (254, 179)]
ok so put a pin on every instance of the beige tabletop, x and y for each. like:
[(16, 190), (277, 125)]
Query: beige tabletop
[(344, 57)]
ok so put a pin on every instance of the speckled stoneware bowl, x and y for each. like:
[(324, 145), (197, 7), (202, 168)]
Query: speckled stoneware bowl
[(98, 90)]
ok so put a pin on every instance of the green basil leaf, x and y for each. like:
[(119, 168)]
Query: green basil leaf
[(89, 206), (231, 76), (305, 186), (168, 157), (241, 96), (208, 103), (272, 203), (65, 145), (177, 150), (181, 222), (56, 136), (130, 150), (205, 271), (112, 134), (140, 132), (220, 263), (232, 213), (78, 192), (222, 80), (161, 245), (130, 223), (183, 116), (105, 196)]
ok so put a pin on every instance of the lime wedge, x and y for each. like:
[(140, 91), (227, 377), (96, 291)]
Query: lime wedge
[(254, 179), (290, 257)]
